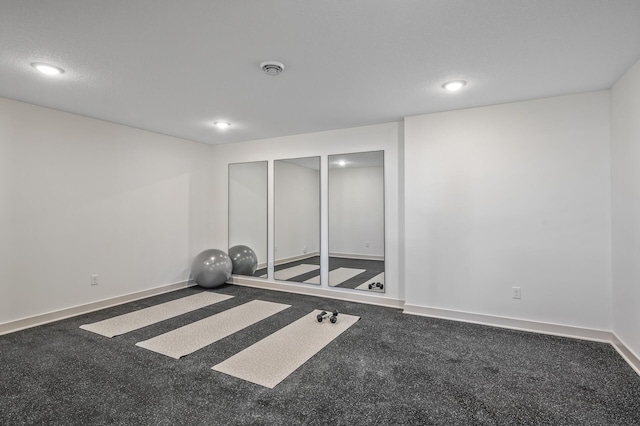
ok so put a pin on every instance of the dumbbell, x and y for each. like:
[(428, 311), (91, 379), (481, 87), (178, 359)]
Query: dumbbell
[(333, 317)]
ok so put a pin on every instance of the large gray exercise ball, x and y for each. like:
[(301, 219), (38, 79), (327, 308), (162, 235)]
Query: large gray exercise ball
[(245, 261), (211, 268)]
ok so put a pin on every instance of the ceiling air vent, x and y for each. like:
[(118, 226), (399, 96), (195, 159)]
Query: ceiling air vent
[(272, 67)]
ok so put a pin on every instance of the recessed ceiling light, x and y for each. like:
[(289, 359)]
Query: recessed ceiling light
[(455, 85), (222, 124), (47, 69)]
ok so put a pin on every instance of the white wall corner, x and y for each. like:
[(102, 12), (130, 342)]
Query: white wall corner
[(625, 352)]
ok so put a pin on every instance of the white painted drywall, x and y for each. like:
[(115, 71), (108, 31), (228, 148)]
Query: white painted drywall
[(512, 195), (81, 196), (248, 207), (297, 207), (356, 211), (360, 139), (625, 153)]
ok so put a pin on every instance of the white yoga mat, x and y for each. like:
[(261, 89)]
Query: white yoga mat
[(134, 320), (337, 276), (294, 271), (377, 279), (272, 359), (188, 339)]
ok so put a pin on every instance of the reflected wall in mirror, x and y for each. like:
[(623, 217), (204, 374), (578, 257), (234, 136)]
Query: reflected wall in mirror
[(297, 220), (356, 221), (248, 210)]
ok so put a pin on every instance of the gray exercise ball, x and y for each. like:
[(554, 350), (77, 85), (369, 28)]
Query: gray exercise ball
[(245, 261), (211, 268)]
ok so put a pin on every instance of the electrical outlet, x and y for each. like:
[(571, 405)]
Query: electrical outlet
[(366, 244), (94, 279), (517, 294)]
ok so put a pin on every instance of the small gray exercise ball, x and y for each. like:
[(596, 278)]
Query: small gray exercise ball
[(245, 261), (211, 268)]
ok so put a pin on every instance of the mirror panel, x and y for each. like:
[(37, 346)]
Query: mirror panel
[(297, 220), (248, 210), (356, 221)]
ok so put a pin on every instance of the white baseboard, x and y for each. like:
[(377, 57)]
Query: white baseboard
[(314, 290), (21, 324), (357, 256), (511, 323), (296, 258), (631, 357)]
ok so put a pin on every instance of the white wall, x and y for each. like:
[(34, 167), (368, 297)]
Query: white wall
[(500, 196), (625, 153), (248, 207), (512, 195), (297, 207), (360, 139), (81, 196), (356, 211)]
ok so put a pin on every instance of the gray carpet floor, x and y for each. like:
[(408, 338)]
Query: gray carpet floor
[(388, 368)]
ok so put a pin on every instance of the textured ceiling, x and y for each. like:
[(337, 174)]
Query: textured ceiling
[(174, 67)]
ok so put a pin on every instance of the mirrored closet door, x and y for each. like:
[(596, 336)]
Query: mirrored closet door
[(297, 220), (248, 215), (356, 221)]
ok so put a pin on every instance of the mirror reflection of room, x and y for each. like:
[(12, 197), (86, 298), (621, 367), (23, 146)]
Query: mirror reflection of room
[(297, 220), (248, 212), (356, 221)]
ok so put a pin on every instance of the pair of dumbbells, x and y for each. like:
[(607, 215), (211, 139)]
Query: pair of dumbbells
[(376, 285), (333, 316)]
